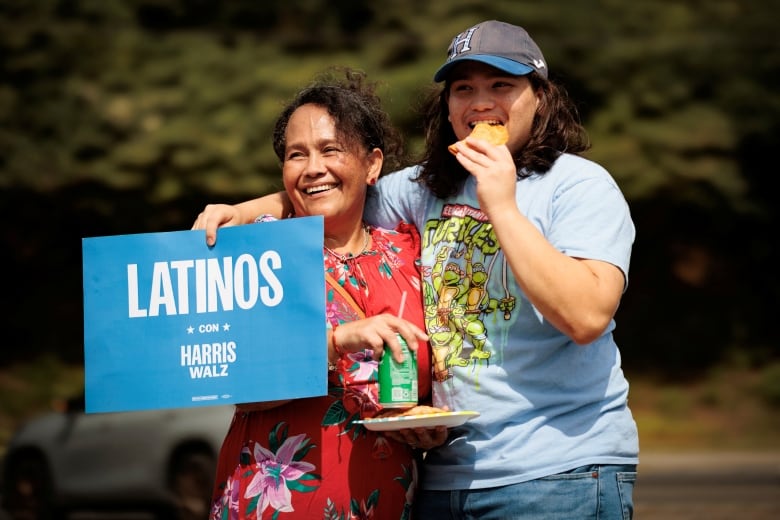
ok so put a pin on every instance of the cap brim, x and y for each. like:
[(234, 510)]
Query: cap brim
[(509, 66)]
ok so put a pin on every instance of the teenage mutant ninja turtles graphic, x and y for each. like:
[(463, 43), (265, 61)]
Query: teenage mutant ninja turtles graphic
[(465, 251)]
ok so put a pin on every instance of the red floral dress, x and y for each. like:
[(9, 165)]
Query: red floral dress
[(307, 459)]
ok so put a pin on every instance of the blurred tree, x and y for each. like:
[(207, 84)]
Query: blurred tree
[(126, 117)]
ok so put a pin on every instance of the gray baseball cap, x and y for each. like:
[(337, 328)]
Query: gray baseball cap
[(504, 46)]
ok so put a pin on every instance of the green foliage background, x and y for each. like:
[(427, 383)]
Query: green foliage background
[(129, 116)]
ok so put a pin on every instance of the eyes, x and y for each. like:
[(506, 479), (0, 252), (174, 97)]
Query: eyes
[(330, 150), (499, 85)]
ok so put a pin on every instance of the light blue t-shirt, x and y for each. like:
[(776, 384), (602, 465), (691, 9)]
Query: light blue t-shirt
[(546, 404)]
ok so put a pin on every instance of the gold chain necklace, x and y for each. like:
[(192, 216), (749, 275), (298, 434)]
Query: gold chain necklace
[(344, 258)]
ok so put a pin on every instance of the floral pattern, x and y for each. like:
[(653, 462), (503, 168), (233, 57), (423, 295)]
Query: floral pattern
[(308, 459)]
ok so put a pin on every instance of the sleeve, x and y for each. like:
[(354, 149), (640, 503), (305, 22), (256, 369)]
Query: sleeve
[(396, 198), (592, 220)]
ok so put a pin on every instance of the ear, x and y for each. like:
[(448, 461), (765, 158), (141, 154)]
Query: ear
[(539, 95), (375, 161)]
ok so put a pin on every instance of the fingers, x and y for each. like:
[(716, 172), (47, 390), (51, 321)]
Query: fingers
[(480, 153), (380, 334), (202, 223), (494, 171), (411, 334), (211, 230), (359, 335), (422, 438), (396, 436), (215, 216)]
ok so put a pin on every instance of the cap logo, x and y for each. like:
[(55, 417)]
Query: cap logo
[(505, 47), (461, 43)]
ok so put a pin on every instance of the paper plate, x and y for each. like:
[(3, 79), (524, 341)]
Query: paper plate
[(428, 420)]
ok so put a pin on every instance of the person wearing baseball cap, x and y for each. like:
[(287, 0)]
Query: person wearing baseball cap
[(551, 235), (501, 45), (526, 247)]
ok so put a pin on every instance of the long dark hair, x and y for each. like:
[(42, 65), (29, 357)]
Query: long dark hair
[(556, 129), (352, 102)]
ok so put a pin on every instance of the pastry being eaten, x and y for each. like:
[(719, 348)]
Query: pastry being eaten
[(495, 134)]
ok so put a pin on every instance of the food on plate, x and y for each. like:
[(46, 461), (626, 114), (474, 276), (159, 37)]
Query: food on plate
[(493, 133), (417, 417), (420, 409)]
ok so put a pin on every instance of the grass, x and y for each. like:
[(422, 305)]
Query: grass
[(729, 409)]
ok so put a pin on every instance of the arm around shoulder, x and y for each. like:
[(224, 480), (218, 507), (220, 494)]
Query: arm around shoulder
[(275, 204), (215, 216)]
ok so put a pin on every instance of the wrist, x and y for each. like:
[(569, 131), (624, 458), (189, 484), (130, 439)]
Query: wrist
[(334, 350)]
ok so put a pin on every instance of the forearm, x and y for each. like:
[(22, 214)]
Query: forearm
[(578, 297), (276, 204)]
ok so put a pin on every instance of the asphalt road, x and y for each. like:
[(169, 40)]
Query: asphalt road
[(708, 486)]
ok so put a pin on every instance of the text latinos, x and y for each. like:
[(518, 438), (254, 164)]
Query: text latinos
[(215, 285)]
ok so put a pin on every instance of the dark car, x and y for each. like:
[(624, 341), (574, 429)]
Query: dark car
[(160, 462)]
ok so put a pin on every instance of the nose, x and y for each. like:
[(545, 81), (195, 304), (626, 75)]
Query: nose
[(482, 99), (315, 165)]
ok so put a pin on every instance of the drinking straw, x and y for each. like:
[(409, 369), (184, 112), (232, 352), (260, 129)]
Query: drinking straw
[(401, 306)]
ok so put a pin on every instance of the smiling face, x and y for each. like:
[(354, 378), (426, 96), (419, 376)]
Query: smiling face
[(481, 93), (323, 173)]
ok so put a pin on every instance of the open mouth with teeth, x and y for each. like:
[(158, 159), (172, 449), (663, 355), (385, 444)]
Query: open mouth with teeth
[(319, 189), (491, 122)]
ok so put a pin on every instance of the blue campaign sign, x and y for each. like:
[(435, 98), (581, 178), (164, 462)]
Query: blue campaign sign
[(170, 322)]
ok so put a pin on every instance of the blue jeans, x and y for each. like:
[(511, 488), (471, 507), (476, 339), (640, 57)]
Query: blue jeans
[(598, 492)]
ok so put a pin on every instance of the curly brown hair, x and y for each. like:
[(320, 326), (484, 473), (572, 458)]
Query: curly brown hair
[(352, 102), (556, 129)]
